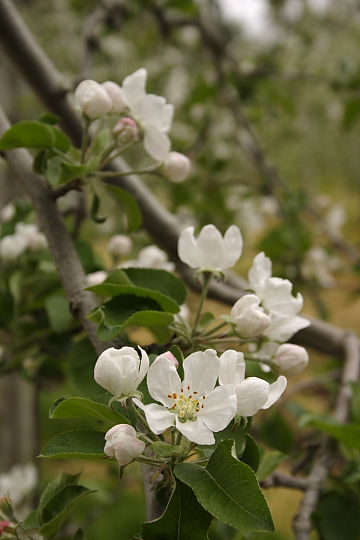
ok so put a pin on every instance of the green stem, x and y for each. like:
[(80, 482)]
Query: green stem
[(151, 461), (85, 140), (110, 174), (207, 278), (215, 329)]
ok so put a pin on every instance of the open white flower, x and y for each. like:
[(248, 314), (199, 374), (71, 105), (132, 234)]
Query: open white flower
[(194, 406), (151, 112), (120, 371), (122, 444), (276, 297), (252, 393), (210, 252), (249, 317)]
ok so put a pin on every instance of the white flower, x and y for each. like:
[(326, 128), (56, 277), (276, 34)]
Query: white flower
[(249, 317), (316, 266), (152, 113), (120, 371), (276, 298), (92, 99), (7, 213), (122, 444), (35, 240), (176, 167), (291, 359), (194, 406), (210, 252), (12, 246), (119, 245), (95, 278), (252, 393), (115, 94), (150, 257), (18, 482)]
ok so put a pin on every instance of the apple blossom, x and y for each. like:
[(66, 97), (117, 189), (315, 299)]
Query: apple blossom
[(210, 252), (119, 244), (277, 300), (152, 113), (18, 482), (35, 240), (126, 130), (176, 167), (95, 278), (150, 257), (120, 371), (122, 444), (115, 94), (249, 317), (252, 393), (7, 212), (3, 526), (12, 246), (92, 99), (194, 406), (291, 359)]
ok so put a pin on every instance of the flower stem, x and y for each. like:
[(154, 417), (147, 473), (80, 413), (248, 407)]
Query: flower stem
[(110, 174), (151, 461), (207, 278), (85, 141), (215, 329)]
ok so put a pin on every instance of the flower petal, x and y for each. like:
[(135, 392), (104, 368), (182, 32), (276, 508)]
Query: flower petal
[(156, 143), (233, 246), (276, 390), (144, 366), (283, 327), (232, 367), (196, 431), (211, 249), (260, 271), (187, 248), (133, 86), (163, 380), (157, 416), (219, 407), (252, 394), (201, 370)]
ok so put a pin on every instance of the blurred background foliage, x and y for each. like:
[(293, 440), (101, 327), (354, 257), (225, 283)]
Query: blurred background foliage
[(285, 99)]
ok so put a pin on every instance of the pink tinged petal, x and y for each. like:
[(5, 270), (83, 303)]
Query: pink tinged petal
[(233, 246), (252, 394), (156, 143), (211, 249), (144, 366), (219, 407), (163, 380), (232, 367), (157, 416), (134, 86), (196, 431), (201, 370), (260, 271), (187, 248), (276, 390)]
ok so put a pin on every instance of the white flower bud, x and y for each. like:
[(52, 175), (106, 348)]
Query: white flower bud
[(176, 167), (96, 278), (35, 240), (119, 245), (122, 444), (120, 371), (12, 246), (291, 359), (169, 355), (154, 257), (115, 94), (249, 317), (7, 213), (92, 99), (126, 130)]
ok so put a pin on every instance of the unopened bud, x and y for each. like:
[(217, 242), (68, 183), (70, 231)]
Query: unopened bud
[(122, 444), (115, 94), (249, 317), (172, 358), (176, 167), (95, 278), (3, 526), (7, 213), (119, 245), (126, 130), (291, 359), (12, 246), (92, 99)]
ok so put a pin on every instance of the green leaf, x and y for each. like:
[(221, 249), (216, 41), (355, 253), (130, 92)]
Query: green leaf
[(80, 407), (57, 309), (95, 205), (62, 141), (347, 434), (28, 135), (183, 519), (205, 319), (75, 444), (164, 449), (337, 516), (32, 520), (158, 280), (53, 487), (251, 455), (49, 118), (228, 489), (57, 510), (129, 205), (69, 171), (269, 463), (81, 363)]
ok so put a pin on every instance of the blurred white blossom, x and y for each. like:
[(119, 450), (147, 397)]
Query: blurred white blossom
[(176, 167), (119, 245), (18, 483), (150, 257)]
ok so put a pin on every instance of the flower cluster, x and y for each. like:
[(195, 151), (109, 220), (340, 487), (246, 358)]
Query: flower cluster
[(26, 237), (139, 116)]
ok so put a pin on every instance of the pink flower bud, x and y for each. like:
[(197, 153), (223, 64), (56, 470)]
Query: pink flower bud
[(3, 526), (126, 130), (169, 355), (122, 444), (249, 317), (115, 94), (92, 99), (291, 359), (176, 167)]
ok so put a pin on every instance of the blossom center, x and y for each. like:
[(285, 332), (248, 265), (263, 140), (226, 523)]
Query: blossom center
[(186, 406)]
